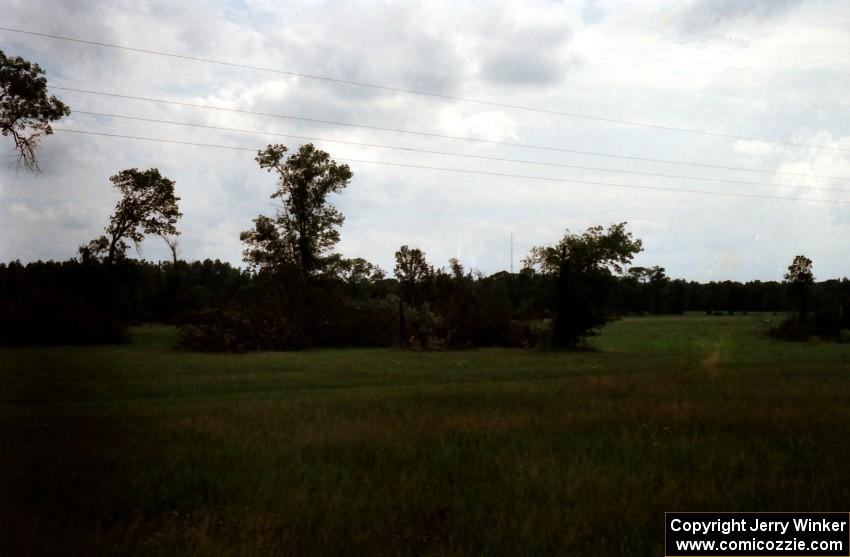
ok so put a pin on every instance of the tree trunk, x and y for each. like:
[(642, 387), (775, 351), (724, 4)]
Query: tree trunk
[(111, 256)]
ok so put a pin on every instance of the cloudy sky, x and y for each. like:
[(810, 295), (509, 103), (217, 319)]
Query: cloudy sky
[(771, 69)]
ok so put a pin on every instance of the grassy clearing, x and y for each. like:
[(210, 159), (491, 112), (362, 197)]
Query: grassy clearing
[(145, 450)]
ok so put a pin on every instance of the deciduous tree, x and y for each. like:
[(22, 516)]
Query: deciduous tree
[(800, 280), (147, 206), (173, 243), (26, 110), (306, 226), (411, 268), (581, 267)]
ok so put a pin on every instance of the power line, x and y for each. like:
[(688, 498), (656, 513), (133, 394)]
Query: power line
[(443, 136), (479, 172), (158, 140), (450, 154), (427, 93)]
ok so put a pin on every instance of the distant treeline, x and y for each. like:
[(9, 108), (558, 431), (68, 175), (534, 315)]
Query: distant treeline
[(221, 307)]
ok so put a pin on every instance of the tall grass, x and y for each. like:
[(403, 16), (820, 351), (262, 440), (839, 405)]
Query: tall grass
[(146, 450)]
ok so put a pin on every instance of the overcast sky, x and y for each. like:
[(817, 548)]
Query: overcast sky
[(776, 69)]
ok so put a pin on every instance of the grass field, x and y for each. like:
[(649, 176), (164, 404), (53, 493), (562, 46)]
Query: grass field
[(146, 450)]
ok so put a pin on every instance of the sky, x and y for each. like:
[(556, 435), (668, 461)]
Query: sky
[(755, 69)]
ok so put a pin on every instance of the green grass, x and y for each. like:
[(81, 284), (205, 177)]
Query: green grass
[(147, 450)]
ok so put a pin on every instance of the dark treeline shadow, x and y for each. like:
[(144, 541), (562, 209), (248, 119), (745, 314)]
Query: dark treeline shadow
[(223, 308), (90, 302)]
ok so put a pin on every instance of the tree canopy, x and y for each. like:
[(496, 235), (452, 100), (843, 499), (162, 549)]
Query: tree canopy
[(593, 250), (147, 206), (800, 271), (800, 280), (580, 268), (306, 227), (26, 109), (411, 267)]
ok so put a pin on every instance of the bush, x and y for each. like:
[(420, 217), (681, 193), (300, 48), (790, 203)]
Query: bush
[(270, 314), (423, 326), (826, 324), (374, 322), (235, 329), (281, 311), (220, 330), (790, 329), (341, 322)]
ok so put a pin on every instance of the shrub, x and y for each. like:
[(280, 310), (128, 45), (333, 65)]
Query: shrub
[(235, 329), (343, 322), (422, 325), (826, 324), (537, 331), (268, 315), (374, 322), (790, 329)]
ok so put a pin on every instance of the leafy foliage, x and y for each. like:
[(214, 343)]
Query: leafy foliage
[(411, 270), (147, 206), (800, 279), (223, 308), (831, 320), (355, 271), (282, 310), (26, 110), (306, 226), (592, 251), (268, 315), (580, 267)]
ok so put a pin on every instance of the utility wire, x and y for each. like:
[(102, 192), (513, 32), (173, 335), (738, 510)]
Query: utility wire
[(451, 154), (442, 136), (427, 93), (158, 140), (479, 172)]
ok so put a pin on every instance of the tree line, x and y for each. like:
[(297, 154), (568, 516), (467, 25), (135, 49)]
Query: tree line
[(91, 302)]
